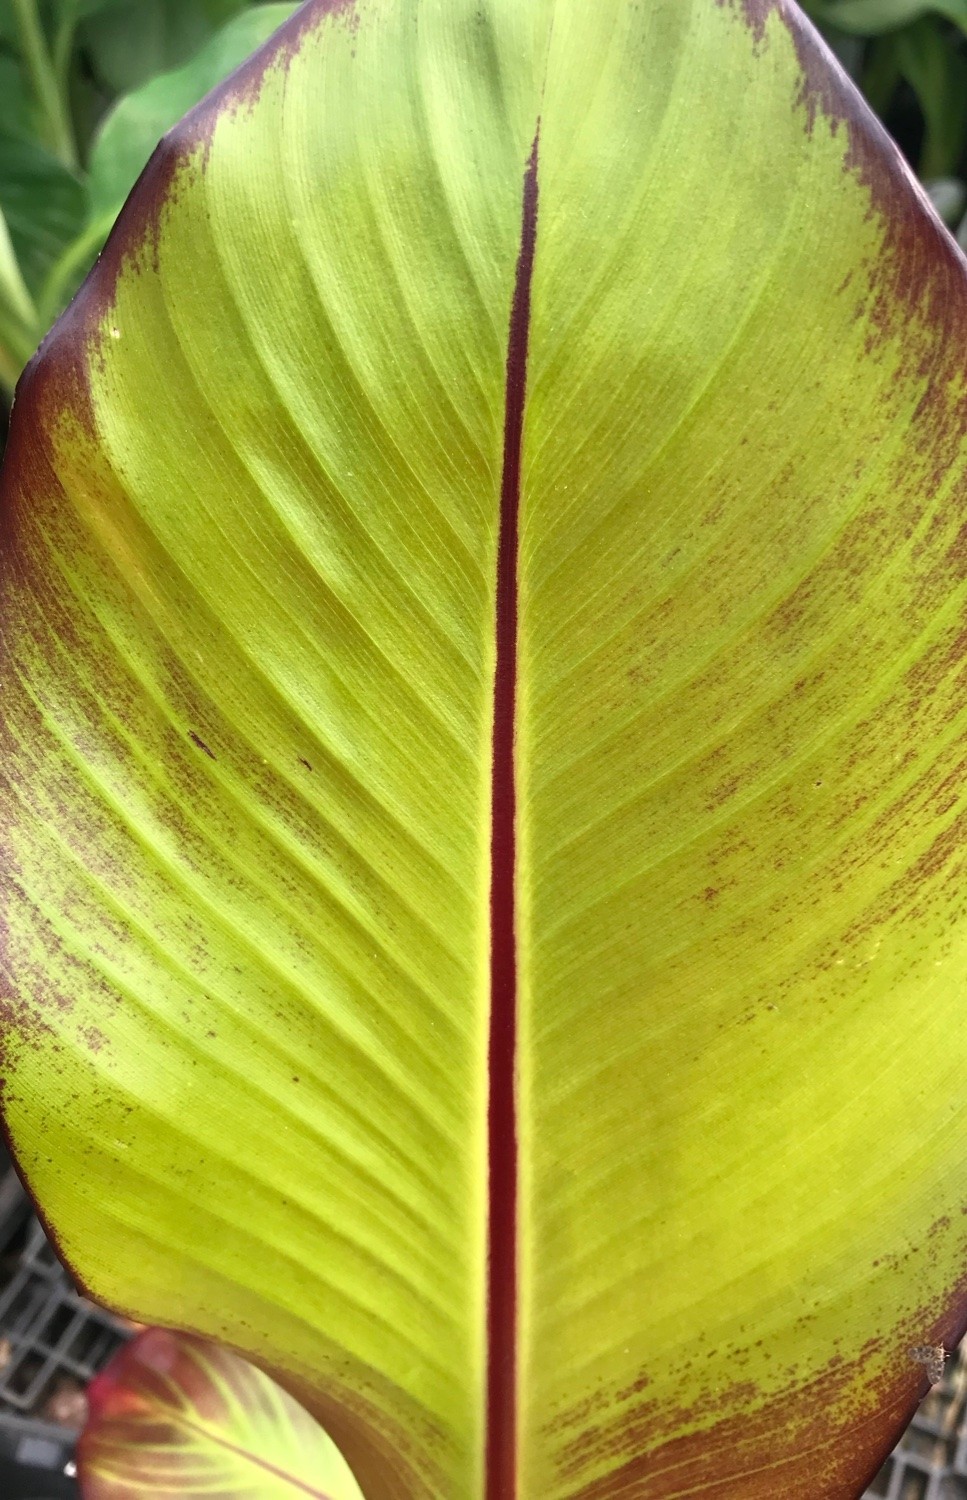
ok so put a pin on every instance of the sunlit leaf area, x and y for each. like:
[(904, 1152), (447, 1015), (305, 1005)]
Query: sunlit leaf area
[(483, 749)]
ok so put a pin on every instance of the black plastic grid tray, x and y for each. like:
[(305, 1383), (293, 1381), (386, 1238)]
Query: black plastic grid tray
[(48, 1332), (36, 1460), (52, 1341)]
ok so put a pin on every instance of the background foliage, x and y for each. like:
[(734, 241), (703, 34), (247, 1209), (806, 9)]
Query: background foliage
[(910, 59)]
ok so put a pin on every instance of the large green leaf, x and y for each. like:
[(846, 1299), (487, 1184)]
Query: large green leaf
[(131, 130), (51, 15), (16, 108), (524, 1015), (44, 205), (872, 17), (129, 43), (938, 75), (173, 1417)]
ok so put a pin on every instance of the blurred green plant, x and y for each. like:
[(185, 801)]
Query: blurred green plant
[(910, 59), (86, 89)]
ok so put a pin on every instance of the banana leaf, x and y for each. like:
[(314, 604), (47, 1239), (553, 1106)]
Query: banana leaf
[(483, 614)]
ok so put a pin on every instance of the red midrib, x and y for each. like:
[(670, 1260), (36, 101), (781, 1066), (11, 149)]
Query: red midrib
[(501, 1442)]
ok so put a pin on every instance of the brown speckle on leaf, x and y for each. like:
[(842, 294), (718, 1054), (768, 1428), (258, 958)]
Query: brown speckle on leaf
[(197, 740)]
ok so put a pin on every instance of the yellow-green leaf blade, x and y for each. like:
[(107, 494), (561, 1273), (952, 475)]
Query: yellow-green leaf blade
[(247, 635), (249, 649), (743, 739)]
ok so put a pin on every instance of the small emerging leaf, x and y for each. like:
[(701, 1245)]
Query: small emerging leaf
[(173, 1416)]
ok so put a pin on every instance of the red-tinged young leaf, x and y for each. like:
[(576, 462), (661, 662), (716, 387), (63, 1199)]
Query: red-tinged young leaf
[(483, 751), (173, 1418)]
